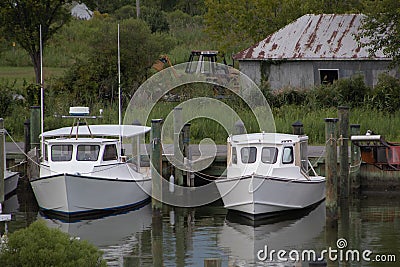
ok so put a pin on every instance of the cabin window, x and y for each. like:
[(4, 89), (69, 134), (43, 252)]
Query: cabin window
[(61, 152), (87, 152), (268, 155), (110, 152), (248, 154), (234, 155), (287, 156)]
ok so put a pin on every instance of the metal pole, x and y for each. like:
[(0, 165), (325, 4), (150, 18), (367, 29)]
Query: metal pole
[(343, 113), (177, 148), (2, 159), (156, 163), (35, 127), (331, 168), (355, 160)]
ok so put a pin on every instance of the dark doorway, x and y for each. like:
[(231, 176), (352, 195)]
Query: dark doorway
[(328, 76)]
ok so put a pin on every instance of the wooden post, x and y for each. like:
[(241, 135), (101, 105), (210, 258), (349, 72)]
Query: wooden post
[(187, 153), (27, 136), (298, 128), (239, 127), (212, 262), (343, 113), (2, 160), (35, 127), (136, 146), (156, 163), (331, 168), (355, 161), (178, 149), (157, 238)]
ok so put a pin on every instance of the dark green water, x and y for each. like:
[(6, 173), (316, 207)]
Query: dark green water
[(186, 237)]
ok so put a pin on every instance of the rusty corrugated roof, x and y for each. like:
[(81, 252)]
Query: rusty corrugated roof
[(311, 37)]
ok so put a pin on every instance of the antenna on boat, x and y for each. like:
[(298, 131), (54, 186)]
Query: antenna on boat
[(41, 92), (119, 91)]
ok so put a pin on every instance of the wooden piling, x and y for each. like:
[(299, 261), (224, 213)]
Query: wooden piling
[(35, 127), (214, 262), (343, 112), (157, 238), (298, 128), (136, 146), (355, 160), (2, 159), (156, 163), (27, 136), (239, 127), (187, 153), (331, 168), (178, 149)]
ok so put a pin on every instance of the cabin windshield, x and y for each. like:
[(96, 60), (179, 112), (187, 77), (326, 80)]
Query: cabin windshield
[(269, 155), (110, 153), (87, 152), (61, 152), (287, 156), (248, 154)]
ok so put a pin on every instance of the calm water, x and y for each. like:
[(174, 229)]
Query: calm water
[(185, 237)]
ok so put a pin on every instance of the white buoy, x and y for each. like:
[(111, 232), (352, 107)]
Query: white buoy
[(171, 183)]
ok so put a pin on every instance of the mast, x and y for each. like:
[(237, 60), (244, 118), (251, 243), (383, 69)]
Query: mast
[(119, 92), (41, 94)]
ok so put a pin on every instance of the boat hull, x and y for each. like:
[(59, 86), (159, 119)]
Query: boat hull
[(76, 195), (10, 182), (257, 195)]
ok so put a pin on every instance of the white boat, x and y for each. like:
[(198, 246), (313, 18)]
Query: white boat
[(83, 172), (300, 230), (268, 173), (10, 182)]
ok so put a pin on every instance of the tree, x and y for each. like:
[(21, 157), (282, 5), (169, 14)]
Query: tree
[(21, 20), (382, 27), (97, 78), (39, 245), (240, 22)]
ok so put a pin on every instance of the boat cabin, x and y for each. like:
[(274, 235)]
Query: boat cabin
[(83, 154), (267, 154)]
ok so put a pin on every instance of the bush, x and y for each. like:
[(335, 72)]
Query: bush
[(39, 245), (386, 94)]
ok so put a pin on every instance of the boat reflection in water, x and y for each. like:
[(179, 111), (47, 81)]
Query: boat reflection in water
[(115, 235), (242, 238)]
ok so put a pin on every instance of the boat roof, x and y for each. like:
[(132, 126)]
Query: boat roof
[(81, 140), (111, 130), (270, 138)]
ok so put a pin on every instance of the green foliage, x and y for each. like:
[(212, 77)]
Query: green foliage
[(155, 18), (386, 94), (39, 245), (241, 22), (382, 27), (98, 76), (21, 21)]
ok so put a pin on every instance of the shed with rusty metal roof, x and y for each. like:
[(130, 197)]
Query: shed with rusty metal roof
[(312, 50)]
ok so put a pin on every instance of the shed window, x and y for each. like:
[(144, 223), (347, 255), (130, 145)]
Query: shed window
[(110, 152), (327, 76), (61, 152), (248, 154), (287, 156), (268, 155), (87, 152)]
